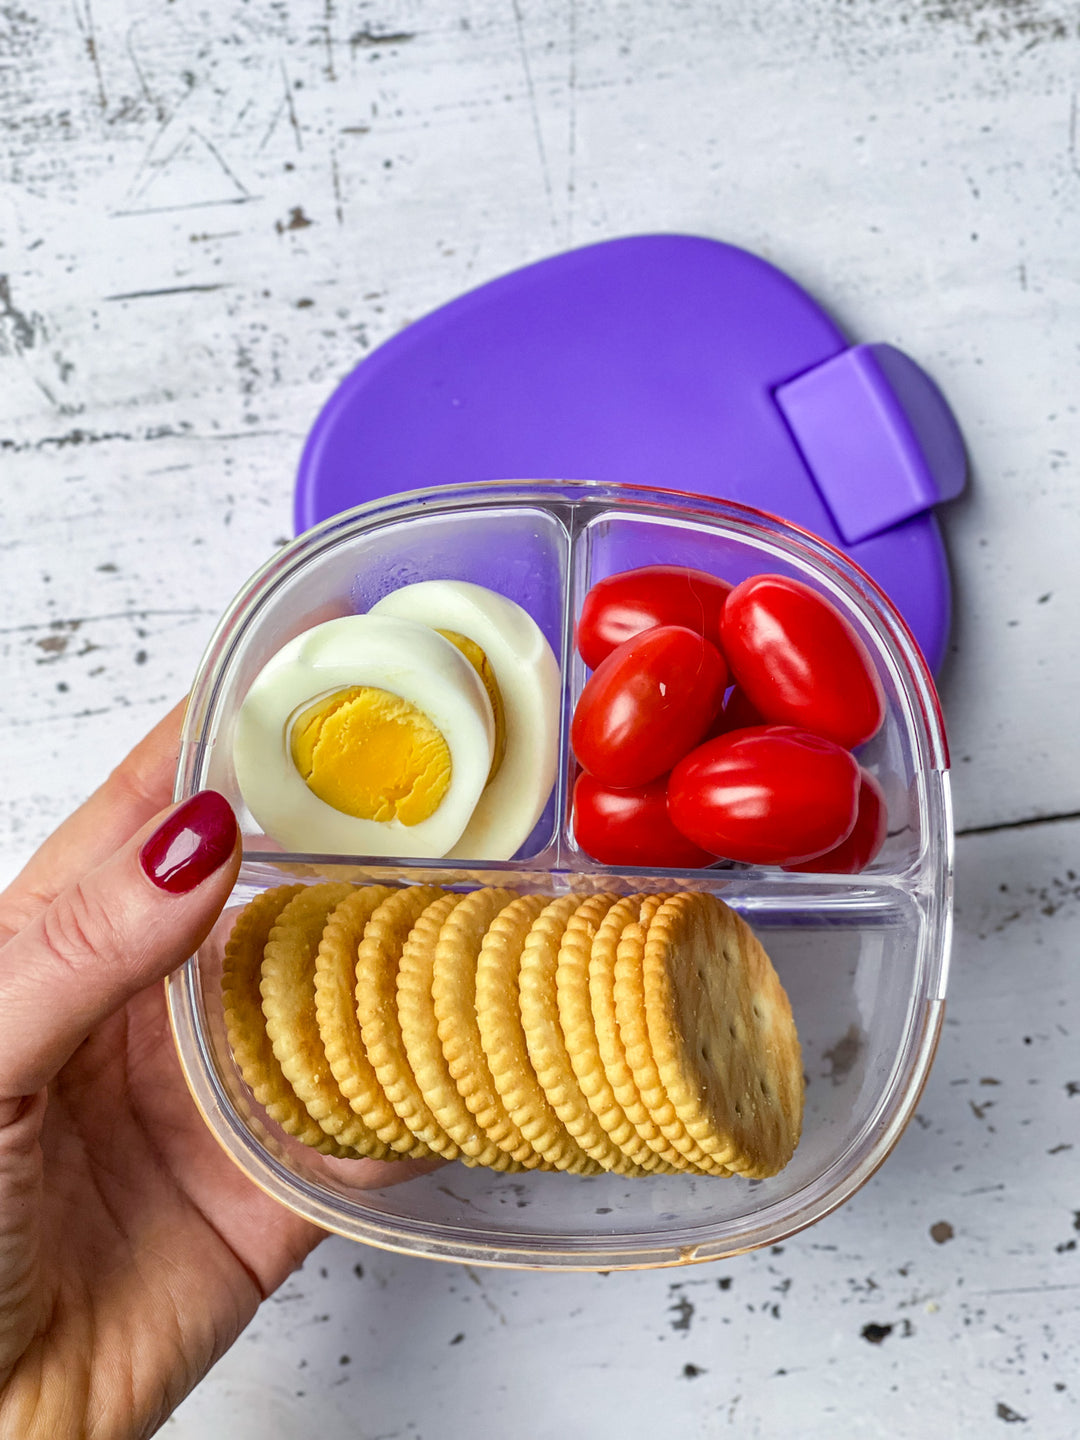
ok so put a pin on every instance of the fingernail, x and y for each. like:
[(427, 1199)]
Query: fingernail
[(196, 839)]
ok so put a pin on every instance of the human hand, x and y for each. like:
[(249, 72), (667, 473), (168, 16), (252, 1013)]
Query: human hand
[(132, 1251)]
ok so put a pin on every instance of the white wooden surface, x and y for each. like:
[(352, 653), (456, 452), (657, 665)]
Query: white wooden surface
[(210, 212)]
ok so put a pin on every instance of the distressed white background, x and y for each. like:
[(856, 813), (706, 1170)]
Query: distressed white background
[(210, 212)]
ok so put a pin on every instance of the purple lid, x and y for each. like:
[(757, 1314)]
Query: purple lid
[(665, 361)]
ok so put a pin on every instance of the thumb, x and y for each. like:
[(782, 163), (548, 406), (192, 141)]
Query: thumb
[(103, 939)]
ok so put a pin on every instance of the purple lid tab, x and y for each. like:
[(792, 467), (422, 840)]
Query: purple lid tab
[(877, 437)]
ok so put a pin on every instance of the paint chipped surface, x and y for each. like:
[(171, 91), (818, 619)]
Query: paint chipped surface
[(213, 213)]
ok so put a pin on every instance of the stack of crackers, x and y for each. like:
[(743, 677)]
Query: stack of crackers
[(644, 1034)]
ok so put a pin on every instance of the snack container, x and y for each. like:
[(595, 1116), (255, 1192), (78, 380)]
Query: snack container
[(863, 958)]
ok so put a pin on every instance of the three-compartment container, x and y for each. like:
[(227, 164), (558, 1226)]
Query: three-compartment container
[(863, 958)]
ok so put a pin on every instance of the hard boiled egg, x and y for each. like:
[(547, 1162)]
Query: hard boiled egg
[(365, 735), (527, 692)]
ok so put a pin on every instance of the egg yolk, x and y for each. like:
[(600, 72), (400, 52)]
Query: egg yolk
[(482, 665), (373, 755)]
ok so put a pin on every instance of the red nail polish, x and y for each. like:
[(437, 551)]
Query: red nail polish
[(196, 839)]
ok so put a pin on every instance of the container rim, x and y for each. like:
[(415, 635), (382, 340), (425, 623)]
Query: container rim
[(578, 501)]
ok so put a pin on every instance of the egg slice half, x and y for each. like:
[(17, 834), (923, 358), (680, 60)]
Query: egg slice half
[(366, 735), (526, 674)]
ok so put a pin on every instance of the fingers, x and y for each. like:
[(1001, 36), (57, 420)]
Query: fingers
[(110, 934), (135, 791), (20, 1201)]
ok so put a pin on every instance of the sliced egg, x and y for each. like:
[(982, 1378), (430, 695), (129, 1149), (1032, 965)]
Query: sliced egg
[(366, 735), (527, 692)]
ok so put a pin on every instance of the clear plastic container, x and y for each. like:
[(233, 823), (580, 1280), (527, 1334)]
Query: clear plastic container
[(864, 958)]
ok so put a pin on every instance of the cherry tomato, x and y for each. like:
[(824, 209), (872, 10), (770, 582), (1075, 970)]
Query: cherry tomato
[(770, 796), (631, 827), (647, 704), (799, 660), (864, 842), (622, 606)]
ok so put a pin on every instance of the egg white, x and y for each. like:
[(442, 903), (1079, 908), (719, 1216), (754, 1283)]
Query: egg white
[(392, 653), (527, 674)]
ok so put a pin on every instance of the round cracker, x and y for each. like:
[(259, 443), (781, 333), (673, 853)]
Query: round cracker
[(722, 1033), (618, 997), (288, 1002), (386, 1066), (453, 993), (627, 915), (579, 1030), (544, 1037), (498, 1015), (392, 1064), (245, 1023), (339, 1026), (424, 1052)]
